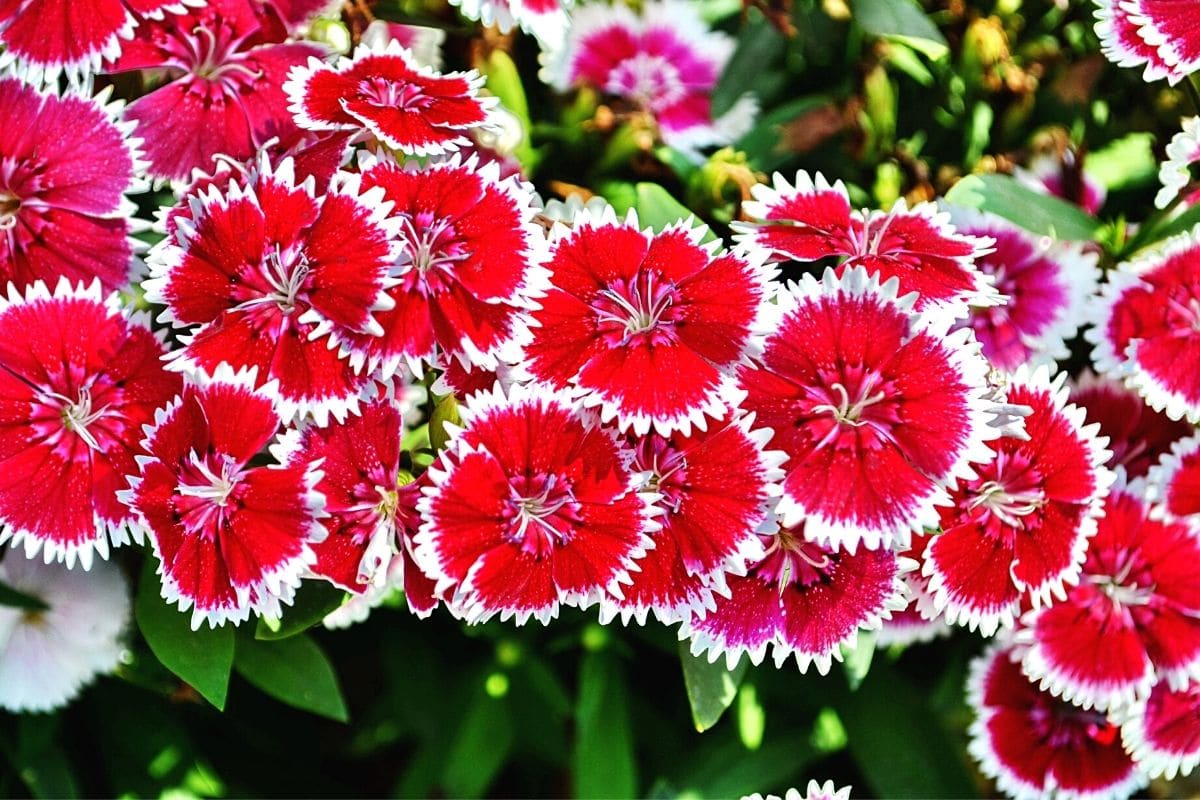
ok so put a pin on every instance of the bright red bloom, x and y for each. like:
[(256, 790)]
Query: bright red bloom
[(878, 408), (1162, 733), (1162, 34), (467, 268), (531, 508), (226, 96), (1035, 746), (1175, 481), (1133, 619), (648, 327), (813, 221), (66, 164), (1018, 530), (409, 108), (265, 266), (802, 599), (1147, 328), (713, 489), (78, 379), (230, 538)]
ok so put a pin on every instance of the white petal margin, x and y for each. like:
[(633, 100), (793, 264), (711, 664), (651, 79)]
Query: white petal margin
[(1175, 172), (1164, 473), (1151, 759)]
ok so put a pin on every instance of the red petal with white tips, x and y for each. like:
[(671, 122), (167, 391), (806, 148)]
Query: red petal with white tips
[(1137, 434), (1175, 481), (53, 35), (1123, 39), (1163, 733), (1174, 26)]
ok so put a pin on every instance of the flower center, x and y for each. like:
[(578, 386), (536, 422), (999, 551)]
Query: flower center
[(79, 415), (867, 240), (206, 495), (10, 204), (1012, 494), (667, 468), (431, 245), (386, 93), (639, 306), (541, 514), (1183, 314), (793, 560), (853, 408), (1123, 587), (649, 80), (285, 273)]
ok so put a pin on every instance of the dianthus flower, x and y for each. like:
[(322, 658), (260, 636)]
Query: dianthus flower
[(1175, 480), (1162, 35), (1064, 176), (547, 20), (1162, 733), (814, 791)]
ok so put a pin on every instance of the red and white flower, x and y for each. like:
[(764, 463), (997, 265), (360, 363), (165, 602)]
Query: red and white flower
[(1162, 733), (1182, 152), (1163, 35), (1064, 176), (647, 327), (230, 537), (547, 20), (812, 221), (1137, 434), (386, 94), (466, 270), (263, 267), (713, 489), (1047, 285), (66, 164), (425, 44), (1147, 326), (533, 506), (1035, 746), (1016, 533), (1134, 617), (801, 599), (814, 791), (879, 409), (919, 620), (1175, 481), (78, 379)]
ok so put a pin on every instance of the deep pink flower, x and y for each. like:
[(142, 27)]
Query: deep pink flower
[(409, 108), (1175, 481), (78, 379), (1162, 733), (1137, 434), (1047, 285), (230, 537), (66, 164), (1162, 34), (1064, 176), (264, 266), (802, 599), (879, 409), (468, 264), (648, 327), (545, 19), (1017, 532), (713, 489), (1134, 617), (1147, 326), (225, 95), (533, 506), (812, 221), (1036, 746)]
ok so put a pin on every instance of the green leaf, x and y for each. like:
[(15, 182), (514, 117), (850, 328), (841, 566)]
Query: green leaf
[(504, 81), (39, 761), (202, 658), (314, 600), (758, 44), (1152, 233), (480, 748), (14, 599), (294, 671), (1129, 161), (901, 19), (445, 412), (857, 661), (1006, 197), (656, 207), (710, 687), (603, 758)]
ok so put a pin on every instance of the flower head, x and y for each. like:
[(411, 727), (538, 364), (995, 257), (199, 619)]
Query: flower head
[(1175, 481), (1182, 152), (1162, 35), (1162, 732), (1064, 176), (547, 20)]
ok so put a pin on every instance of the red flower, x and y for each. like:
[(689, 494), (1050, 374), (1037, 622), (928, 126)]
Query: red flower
[(1035, 746), (263, 268), (879, 409), (1162, 733), (78, 379), (1175, 481), (813, 221), (1133, 619), (231, 538), (409, 108), (1164, 35), (1018, 530), (649, 327), (919, 620), (66, 164), (531, 508)]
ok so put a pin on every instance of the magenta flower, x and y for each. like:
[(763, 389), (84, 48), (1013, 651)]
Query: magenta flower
[(66, 164), (1162, 35), (1063, 176), (1175, 481), (531, 508), (78, 379), (1017, 532), (879, 409), (1036, 746), (230, 537), (647, 327), (812, 221), (384, 93), (263, 267), (1162, 733)]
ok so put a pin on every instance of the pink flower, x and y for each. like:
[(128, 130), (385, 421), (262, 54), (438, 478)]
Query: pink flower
[(666, 61), (78, 379), (648, 327), (1047, 285), (1035, 746), (1064, 176), (265, 266), (1163, 35), (713, 488), (545, 19), (231, 538), (66, 163), (879, 409), (1147, 327), (467, 267), (1133, 619), (224, 96), (803, 599), (812, 221), (1183, 151), (532, 507), (1017, 532), (1162, 733), (383, 92), (1175, 481)]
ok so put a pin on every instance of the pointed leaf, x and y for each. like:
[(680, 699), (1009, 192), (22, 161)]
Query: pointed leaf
[(1004, 196), (14, 599), (903, 19), (294, 671), (603, 757), (710, 687)]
